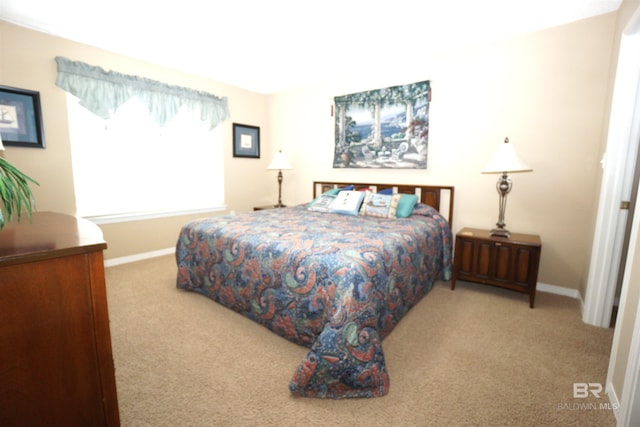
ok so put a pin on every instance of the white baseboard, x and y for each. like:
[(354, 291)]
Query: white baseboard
[(558, 290), (613, 400), (542, 287), (138, 257)]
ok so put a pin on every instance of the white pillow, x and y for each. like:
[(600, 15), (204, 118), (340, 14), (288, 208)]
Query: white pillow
[(322, 203), (347, 202)]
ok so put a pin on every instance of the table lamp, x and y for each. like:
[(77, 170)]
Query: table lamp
[(279, 163), (504, 161)]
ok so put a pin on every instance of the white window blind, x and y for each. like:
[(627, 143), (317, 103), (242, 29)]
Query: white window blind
[(128, 167)]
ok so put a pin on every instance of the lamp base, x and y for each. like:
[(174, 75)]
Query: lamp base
[(500, 232)]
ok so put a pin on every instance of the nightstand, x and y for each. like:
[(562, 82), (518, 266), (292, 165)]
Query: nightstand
[(510, 263), (260, 208)]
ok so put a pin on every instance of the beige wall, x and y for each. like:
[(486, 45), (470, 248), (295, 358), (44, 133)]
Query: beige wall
[(546, 91), (27, 61)]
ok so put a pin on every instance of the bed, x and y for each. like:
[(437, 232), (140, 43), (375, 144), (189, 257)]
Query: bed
[(336, 283)]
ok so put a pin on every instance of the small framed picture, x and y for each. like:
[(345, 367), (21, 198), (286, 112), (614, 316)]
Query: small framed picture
[(20, 118), (246, 141)]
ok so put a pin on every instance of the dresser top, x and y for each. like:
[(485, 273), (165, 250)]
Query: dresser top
[(48, 235), (519, 238)]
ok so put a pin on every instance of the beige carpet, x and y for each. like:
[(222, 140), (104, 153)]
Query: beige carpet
[(474, 356)]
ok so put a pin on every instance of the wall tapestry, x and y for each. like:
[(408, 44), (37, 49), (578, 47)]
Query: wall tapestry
[(383, 128)]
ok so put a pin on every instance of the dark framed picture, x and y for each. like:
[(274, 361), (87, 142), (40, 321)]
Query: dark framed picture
[(20, 118), (246, 141)]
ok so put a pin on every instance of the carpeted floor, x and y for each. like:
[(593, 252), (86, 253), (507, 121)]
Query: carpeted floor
[(476, 356)]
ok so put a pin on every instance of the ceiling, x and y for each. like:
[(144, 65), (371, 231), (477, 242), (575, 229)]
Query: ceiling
[(270, 46)]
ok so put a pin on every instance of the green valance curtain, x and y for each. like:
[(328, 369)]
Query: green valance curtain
[(102, 92)]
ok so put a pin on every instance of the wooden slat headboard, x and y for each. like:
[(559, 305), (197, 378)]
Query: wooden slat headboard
[(439, 197)]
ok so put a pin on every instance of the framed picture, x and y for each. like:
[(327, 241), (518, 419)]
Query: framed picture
[(20, 118), (246, 141), (383, 128)]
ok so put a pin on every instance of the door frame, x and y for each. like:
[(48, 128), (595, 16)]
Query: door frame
[(622, 145), (620, 155)]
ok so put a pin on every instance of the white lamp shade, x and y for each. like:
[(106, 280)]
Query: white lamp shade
[(1, 146), (279, 162), (505, 159)]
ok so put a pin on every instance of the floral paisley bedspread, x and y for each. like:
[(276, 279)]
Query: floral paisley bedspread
[(337, 284)]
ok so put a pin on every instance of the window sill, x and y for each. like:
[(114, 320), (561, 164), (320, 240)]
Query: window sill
[(141, 216)]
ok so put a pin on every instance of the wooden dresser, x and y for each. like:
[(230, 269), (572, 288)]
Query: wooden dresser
[(56, 365)]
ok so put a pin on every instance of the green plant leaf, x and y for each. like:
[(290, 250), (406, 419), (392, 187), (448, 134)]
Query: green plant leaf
[(15, 193)]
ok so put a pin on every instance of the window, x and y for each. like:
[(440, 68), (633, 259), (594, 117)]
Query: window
[(128, 167), (141, 148)]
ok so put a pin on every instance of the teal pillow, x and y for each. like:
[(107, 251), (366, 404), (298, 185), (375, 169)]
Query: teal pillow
[(405, 205)]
